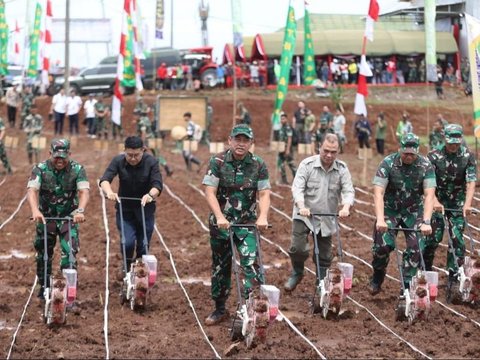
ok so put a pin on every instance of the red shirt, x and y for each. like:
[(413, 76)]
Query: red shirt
[(162, 72)]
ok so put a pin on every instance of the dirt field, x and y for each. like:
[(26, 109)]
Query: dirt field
[(168, 328)]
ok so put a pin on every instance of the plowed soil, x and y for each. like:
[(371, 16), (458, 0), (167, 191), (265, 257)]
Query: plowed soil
[(168, 328)]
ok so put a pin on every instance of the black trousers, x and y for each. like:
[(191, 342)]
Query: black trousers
[(12, 115)]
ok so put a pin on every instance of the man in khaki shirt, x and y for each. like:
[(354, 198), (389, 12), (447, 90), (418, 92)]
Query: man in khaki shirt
[(320, 182)]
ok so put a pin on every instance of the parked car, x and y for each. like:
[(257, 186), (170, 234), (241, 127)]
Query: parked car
[(14, 76), (99, 78)]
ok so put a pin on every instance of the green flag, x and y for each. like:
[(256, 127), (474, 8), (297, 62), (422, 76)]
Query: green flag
[(309, 73), (35, 37), (3, 40), (129, 56), (289, 39)]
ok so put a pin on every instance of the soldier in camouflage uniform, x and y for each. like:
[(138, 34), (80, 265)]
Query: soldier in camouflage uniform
[(145, 132), (436, 138), (33, 127), (101, 112), (233, 179), (456, 172), (58, 187), (27, 100), (403, 182), (319, 134), (3, 151), (285, 135)]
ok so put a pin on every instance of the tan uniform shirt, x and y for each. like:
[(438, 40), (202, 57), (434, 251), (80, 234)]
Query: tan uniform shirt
[(320, 190)]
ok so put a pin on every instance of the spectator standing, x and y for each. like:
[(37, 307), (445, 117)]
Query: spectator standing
[(262, 74), (254, 80), (221, 76), (362, 132), (33, 127), (404, 126), (285, 135), (310, 124), (27, 101), (100, 119), (59, 109), (339, 123), (352, 72), (13, 101), (299, 121), (191, 132), (74, 104), (436, 138), (161, 76), (380, 133), (89, 111), (3, 152), (244, 115)]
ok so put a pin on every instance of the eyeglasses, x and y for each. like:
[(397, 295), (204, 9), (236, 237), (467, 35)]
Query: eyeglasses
[(134, 155)]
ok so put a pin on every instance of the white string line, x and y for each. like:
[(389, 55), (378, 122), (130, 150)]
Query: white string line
[(270, 242), (277, 195), (363, 202), (362, 191), (14, 213), (172, 262), (355, 302), (107, 265), (3, 181), (299, 333), (388, 329), (369, 238), (186, 206), (14, 337)]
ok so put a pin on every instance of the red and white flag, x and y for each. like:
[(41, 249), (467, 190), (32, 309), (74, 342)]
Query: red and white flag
[(46, 43), (372, 16), (365, 70), (129, 14), (16, 47)]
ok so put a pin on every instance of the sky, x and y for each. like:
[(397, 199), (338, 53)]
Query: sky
[(258, 16)]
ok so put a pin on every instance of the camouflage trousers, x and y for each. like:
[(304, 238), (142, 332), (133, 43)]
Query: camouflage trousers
[(117, 129), (54, 229), (456, 226), (31, 151), (101, 127), (288, 159), (246, 245), (3, 157), (384, 244)]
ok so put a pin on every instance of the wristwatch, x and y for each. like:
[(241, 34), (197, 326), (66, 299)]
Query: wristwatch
[(80, 211), (427, 222), (151, 196)]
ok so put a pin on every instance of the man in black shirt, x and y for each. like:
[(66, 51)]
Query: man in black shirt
[(139, 177)]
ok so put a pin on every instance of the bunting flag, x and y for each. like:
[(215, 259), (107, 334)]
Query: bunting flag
[(364, 70), (289, 40), (237, 30), (309, 73), (34, 40), (430, 41), (473, 36), (138, 47), (128, 63), (159, 19), (47, 41), (16, 47), (3, 40)]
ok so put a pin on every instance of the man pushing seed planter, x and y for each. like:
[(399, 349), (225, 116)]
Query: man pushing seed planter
[(233, 179), (57, 188), (320, 181), (403, 182), (140, 178)]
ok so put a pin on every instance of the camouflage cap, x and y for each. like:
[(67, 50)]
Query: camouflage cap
[(453, 134), (60, 148), (410, 143), (242, 129)]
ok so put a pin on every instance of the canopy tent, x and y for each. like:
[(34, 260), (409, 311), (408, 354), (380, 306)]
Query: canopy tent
[(349, 42), (240, 53)]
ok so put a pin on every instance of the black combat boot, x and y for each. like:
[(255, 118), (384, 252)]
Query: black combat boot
[(218, 315), (376, 282)]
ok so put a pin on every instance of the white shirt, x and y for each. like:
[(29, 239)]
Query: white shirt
[(59, 102), (339, 124), (89, 108), (74, 104)]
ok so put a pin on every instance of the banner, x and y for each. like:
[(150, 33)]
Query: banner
[(33, 63), (430, 41), (473, 35), (159, 19), (3, 40), (309, 73), (237, 30), (289, 40)]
